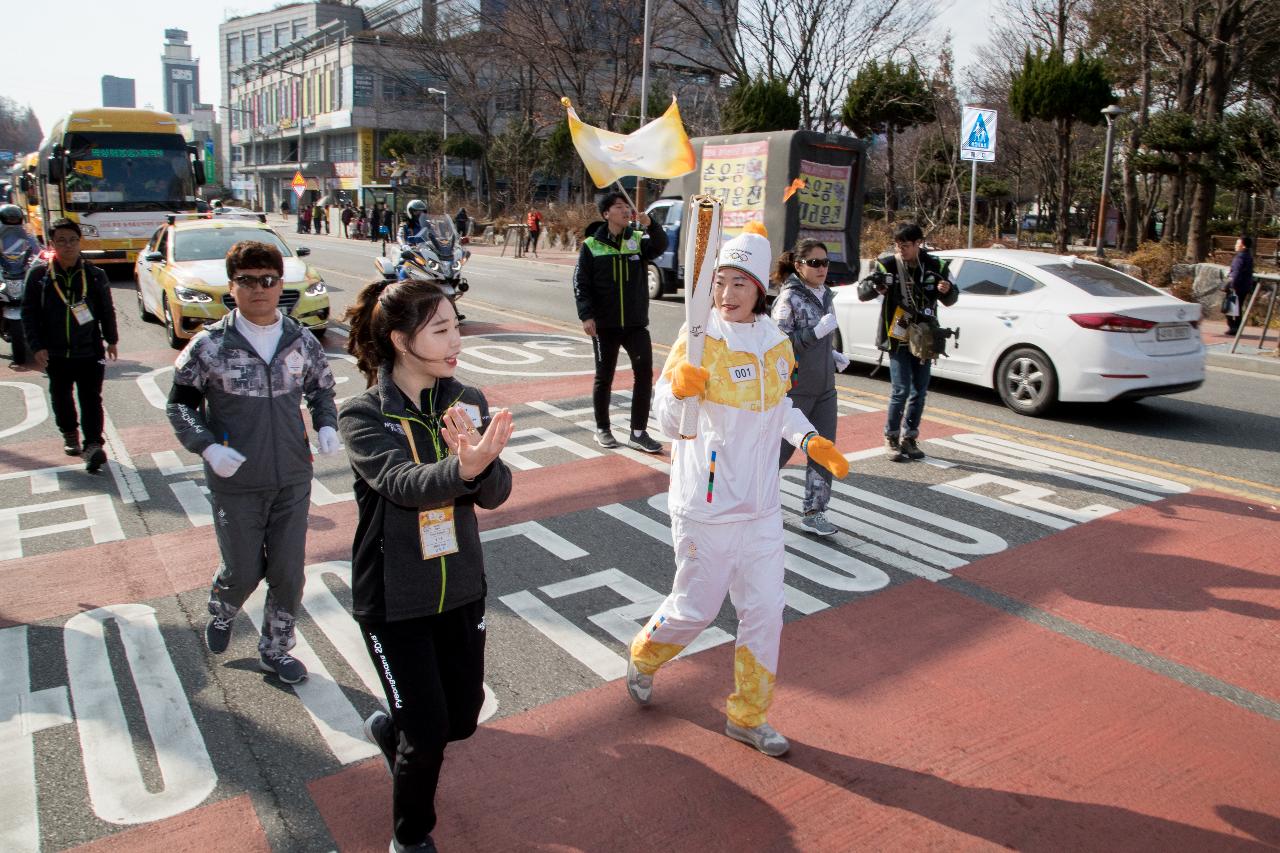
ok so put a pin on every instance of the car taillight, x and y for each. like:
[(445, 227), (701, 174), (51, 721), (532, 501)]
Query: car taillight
[(1113, 323)]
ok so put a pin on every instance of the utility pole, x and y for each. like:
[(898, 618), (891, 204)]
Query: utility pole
[(644, 98)]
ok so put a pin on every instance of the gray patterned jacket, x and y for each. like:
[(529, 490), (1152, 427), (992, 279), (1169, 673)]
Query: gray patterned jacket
[(796, 311), (224, 392)]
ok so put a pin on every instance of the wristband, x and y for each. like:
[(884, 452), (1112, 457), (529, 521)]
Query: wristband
[(804, 442)]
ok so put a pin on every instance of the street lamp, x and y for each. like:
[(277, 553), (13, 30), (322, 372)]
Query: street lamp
[(444, 158), (1112, 112)]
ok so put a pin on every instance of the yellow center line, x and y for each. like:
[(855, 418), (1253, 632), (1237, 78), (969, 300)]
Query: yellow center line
[(1190, 475)]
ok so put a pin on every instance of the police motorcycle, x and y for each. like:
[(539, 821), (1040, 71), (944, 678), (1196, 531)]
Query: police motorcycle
[(19, 251), (430, 250)]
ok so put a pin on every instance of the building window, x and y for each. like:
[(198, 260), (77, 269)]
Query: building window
[(311, 148), (234, 55), (342, 147), (250, 47), (299, 28), (282, 35), (237, 154), (266, 40)]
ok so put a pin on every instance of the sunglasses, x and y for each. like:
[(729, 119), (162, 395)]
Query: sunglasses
[(816, 263), (266, 282)]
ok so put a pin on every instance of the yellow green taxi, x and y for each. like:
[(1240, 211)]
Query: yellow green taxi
[(181, 275)]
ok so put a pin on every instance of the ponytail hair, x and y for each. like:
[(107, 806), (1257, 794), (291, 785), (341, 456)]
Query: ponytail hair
[(382, 307), (785, 267)]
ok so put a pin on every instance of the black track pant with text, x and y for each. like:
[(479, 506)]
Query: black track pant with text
[(639, 347), (432, 672)]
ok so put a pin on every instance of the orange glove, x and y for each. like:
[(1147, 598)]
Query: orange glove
[(823, 452), (688, 381)]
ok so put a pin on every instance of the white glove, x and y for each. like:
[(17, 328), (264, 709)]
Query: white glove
[(825, 326), (327, 440), (225, 461), (842, 360)]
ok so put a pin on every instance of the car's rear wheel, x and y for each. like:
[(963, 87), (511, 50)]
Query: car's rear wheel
[(143, 314), (170, 328), (654, 276), (1027, 382)]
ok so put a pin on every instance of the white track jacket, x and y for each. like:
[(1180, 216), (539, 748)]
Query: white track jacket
[(745, 413)]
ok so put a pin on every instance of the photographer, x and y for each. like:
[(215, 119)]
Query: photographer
[(912, 283)]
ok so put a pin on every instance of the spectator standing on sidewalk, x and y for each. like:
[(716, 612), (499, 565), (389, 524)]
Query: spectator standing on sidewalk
[(425, 452), (533, 219), (237, 389), (805, 313), (304, 218), (913, 284), (347, 215), (726, 512), (70, 325), (612, 295), (462, 222), (1240, 281)]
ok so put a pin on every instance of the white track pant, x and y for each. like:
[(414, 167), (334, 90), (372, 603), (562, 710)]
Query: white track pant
[(744, 559)]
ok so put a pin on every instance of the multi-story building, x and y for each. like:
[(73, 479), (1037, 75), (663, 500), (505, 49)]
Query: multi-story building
[(203, 129), (244, 40), (181, 74), (118, 92)]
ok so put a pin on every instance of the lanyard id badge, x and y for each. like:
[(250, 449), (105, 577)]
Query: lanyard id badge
[(437, 533), (898, 328), (82, 313)]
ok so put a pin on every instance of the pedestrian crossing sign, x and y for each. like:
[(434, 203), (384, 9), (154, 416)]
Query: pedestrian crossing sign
[(299, 184), (978, 135)]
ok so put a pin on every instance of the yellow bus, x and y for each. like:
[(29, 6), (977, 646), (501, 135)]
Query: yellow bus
[(22, 185), (118, 173)]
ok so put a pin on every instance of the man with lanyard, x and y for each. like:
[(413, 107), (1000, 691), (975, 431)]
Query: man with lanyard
[(912, 283), (67, 315), (237, 392), (612, 295)]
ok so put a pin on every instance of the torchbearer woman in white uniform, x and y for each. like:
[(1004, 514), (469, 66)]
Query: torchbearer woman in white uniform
[(726, 509)]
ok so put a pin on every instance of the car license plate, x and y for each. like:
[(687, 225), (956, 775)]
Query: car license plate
[(1172, 333)]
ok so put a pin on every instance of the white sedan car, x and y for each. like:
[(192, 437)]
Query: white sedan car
[(1040, 328)]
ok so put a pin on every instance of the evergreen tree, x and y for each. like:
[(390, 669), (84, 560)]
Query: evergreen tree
[(761, 105), (886, 100), (1061, 93)]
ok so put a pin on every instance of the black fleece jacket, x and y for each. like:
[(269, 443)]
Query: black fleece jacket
[(390, 579)]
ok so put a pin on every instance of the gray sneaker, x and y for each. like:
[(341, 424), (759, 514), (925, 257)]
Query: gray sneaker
[(644, 443), (94, 458), (217, 634), (763, 737), (287, 668), (639, 685), (380, 731), (817, 523), (605, 439)]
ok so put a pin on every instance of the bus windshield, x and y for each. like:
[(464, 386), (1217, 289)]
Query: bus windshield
[(128, 171)]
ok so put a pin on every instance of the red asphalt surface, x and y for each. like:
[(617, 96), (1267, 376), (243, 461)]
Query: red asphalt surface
[(919, 717)]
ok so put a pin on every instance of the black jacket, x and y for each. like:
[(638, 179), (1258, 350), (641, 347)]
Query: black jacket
[(390, 579), (609, 282), (924, 293), (50, 324)]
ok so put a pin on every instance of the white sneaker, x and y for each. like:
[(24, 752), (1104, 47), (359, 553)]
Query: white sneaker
[(817, 523), (639, 685), (763, 737)]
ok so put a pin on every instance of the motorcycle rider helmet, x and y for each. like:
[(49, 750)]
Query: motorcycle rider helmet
[(415, 207), (10, 214)]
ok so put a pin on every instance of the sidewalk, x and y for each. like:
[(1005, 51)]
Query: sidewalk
[(1247, 355)]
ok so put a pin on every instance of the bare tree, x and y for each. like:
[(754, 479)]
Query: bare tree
[(815, 46)]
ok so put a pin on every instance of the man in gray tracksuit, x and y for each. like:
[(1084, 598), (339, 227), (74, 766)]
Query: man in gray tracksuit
[(240, 410)]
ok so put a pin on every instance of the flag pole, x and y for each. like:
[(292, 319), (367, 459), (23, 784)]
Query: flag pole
[(628, 195)]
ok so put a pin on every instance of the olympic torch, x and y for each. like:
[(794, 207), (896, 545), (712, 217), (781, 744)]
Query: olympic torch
[(700, 253)]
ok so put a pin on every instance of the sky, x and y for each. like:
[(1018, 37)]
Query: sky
[(130, 45)]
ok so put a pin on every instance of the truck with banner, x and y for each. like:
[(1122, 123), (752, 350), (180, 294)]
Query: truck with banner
[(118, 173), (753, 175)]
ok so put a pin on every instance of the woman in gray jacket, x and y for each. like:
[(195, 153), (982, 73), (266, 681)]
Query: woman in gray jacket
[(424, 449), (805, 313)]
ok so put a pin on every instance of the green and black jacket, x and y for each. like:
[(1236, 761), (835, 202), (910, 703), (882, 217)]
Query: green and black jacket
[(925, 276), (390, 580), (609, 282)]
